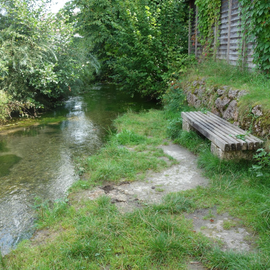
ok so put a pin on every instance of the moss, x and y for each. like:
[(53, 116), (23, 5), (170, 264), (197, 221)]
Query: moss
[(17, 124)]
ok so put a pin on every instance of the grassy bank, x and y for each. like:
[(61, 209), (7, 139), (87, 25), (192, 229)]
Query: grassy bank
[(221, 73), (86, 234)]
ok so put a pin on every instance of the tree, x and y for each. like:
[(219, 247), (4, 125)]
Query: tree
[(36, 61), (138, 42)]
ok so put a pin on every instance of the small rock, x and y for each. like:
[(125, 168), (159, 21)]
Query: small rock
[(215, 111), (94, 194), (221, 103), (201, 91), (231, 112), (191, 99), (118, 197), (264, 132), (108, 188), (257, 110), (195, 83), (197, 103), (233, 93), (220, 92), (204, 101), (202, 81)]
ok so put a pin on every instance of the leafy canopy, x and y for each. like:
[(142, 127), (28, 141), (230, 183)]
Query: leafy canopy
[(37, 63), (138, 42)]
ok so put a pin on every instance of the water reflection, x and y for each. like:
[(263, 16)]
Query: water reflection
[(38, 161)]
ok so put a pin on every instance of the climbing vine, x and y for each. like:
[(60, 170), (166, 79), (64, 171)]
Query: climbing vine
[(255, 29), (208, 22), (255, 17)]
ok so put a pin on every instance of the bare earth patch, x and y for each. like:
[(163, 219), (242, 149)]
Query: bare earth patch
[(222, 227)]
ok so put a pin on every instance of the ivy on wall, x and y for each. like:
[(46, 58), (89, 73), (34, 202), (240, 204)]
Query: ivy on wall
[(208, 22), (255, 17), (255, 26)]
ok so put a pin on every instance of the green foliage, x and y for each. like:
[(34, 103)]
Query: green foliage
[(234, 261), (37, 64), (174, 100), (192, 141), (4, 100), (262, 158), (49, 212), (256, 26), (151, 124), (139, 42), (174, 128), (208, 22)]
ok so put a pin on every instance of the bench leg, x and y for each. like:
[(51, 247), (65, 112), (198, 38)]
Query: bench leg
[(217, 151), (186, 126), (232, 154)]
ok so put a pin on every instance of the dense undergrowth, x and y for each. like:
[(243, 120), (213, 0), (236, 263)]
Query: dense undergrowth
[(95, 235)]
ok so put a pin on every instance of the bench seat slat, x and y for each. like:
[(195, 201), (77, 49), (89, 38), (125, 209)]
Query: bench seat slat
[(230, 131), (220, 132), (223, 132), (241, 145), (253, 143), (237, 129), (221, 143), (220, 135)]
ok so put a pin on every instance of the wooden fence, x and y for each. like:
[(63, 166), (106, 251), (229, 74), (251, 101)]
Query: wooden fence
[(231, 45)]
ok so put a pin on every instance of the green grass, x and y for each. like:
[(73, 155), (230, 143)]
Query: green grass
[(220, 73), (151, 124), (236, 190), (129, 153), (85, 234), (98, 236)]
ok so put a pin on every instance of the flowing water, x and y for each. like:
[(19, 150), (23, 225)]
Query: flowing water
[(38, 161)]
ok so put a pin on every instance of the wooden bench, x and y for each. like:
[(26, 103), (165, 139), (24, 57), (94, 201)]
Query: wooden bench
[(227, 141)]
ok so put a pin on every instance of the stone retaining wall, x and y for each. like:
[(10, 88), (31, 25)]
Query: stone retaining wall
[(224, 102)]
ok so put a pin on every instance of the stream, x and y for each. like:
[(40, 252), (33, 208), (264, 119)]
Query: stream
[(38, 161)]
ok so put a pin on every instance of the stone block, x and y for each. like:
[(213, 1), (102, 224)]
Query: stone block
[(257, 110), (231, 112), (221, 103), (220, 92), (233, 93)]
